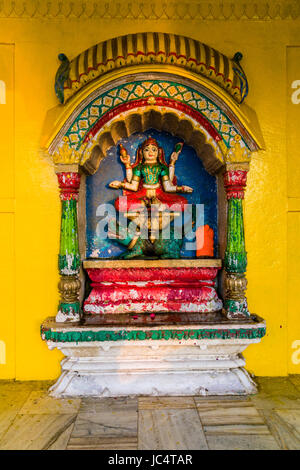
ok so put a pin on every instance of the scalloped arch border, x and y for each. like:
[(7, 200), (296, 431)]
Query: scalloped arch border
[(141, 119)]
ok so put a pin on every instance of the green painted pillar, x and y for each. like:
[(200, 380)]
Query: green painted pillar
[(235, 260), (69, 255)]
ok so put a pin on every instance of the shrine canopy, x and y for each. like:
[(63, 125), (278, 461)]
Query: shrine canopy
[(151, 48), (137, 81)]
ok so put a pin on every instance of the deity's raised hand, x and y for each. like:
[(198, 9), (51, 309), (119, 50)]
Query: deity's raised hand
[(175, 154), (124, 157), (115, 184)]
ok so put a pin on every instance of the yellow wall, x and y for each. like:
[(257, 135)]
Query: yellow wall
[(29, 203), (293, 219)]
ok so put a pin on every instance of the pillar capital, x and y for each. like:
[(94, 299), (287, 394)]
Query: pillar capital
[(235, 183), (69, 184)]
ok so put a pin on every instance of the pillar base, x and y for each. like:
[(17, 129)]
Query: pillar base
[(236, 310), (180, 360), (68, 312)]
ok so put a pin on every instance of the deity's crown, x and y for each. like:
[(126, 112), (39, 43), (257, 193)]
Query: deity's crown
[(149, 141)]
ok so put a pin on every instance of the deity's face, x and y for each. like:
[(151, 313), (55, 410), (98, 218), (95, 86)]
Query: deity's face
[(150, 154)]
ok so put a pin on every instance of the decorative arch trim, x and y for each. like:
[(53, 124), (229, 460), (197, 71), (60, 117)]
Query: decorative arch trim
[(142, 119), (100, 105), (157, 102), (151, 48)]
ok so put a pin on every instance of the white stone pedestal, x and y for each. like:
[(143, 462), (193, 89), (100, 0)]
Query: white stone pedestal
[(183, 362)]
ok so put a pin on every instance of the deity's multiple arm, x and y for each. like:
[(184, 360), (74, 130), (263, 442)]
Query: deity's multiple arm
[(171, 169), (129, 174), (167, 182), (132, 181), (125, 158), (133, 186), (171, 188), (168, 186)]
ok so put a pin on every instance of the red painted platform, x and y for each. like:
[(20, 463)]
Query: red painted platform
[(139, 287)]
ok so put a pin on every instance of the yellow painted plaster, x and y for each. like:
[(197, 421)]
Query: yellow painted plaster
[(7, 214), (31, 241)]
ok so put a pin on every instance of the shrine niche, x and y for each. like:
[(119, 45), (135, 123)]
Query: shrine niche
[(152, 144)]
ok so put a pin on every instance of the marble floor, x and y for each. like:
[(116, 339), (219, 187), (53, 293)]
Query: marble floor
[(30, 419)]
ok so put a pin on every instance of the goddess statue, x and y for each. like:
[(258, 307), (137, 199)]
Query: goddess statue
[(149, 183), (144, 177)]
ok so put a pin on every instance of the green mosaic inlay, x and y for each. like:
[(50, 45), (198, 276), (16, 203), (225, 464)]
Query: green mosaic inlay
[(143, 89), (140, 335)]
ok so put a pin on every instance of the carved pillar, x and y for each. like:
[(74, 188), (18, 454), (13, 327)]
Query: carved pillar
[(235, 260), (69, 256)]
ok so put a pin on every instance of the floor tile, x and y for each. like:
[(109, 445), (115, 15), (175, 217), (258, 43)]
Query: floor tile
[(219, 403), (10, 404), (277, 386), (106, 417), (265, 401), (106, 424), (34, 432), (295, 379), (63, 439), (28, 385), (168, 429), (276, 392), (218, 415), (102, 443), (240, 442), (286, 436), (39, 402), (290, 417), (157, 403), (223, 399), (236, 429), (270, 419), (95, 405), (229, 418)]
